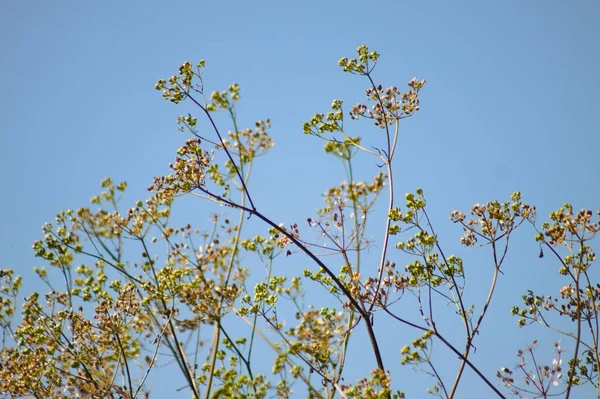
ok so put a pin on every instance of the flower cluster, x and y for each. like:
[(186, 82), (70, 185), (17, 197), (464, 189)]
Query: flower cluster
[(538, 381), (362, 193), (178, 87), (566, 225), (390, 105), (224, 100), (323, 123), (249, 143), (493, 219), (319, 337), (362, 65), (377, 386), (190, 168)]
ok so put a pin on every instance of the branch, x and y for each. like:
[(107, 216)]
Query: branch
[(237, 170), (338, 283)]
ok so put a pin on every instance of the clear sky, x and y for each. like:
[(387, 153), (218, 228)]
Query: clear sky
[(511, 103)]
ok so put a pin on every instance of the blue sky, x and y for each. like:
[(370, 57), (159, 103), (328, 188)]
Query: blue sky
[(511, 103)]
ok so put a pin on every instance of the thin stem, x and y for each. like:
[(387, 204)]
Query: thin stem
[(213, 361), (234, 346), (237, 170), (388, 163), (311, 255), (175, 347), (471, 336), (458, 294), (475, 369), (438, 378), (154, 356), (278, 350), (452, 348), (347, 293), (386, 237), (126, 364), (575, 359), (229, 270)]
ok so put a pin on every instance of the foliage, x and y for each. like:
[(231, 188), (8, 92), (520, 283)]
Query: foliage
[(149, 292)]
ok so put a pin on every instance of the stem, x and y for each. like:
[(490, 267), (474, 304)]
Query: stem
[(303, 248), (475, 369), (278, 350), (215, 349), (151, 362), (593, 332), (239, 353), (175, 347), (356, 223), (471, 336), (126, 364), (452, 348), (438, 378), (347, 293), (237, 170), (576, 352), (236, 241), (455, 284), (386, 237), (253, 211), (388, 163)]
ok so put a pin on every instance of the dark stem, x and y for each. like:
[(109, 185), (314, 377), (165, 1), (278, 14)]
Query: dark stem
[(471, 365), (237, 170), (452, 348), (364, 314)]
